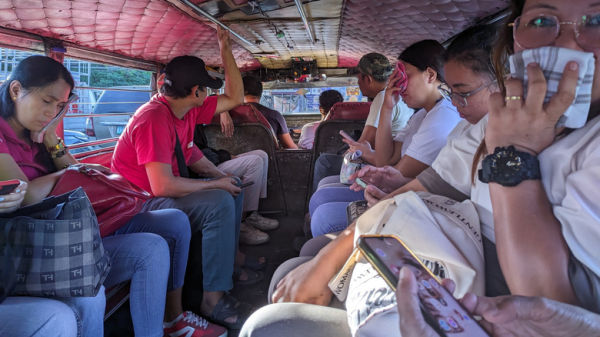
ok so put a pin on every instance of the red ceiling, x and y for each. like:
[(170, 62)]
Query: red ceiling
[(154, 30), (389, 26), (148, 29)]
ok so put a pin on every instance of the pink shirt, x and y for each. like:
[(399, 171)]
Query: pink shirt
[(34, 160), (150, 137)]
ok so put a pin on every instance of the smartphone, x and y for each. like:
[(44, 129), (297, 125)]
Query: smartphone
[(346, 135), (388, 254), (9, 186), (244, 185), (360, 182)]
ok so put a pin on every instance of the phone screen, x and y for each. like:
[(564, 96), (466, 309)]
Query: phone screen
[(442, 311), (8, 186)]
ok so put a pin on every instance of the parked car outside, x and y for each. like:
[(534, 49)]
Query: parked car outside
[(124, 101)]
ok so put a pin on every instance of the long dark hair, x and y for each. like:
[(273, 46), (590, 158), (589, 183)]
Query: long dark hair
[(503, 48), (473, 48), (426, 54), (33, 72)]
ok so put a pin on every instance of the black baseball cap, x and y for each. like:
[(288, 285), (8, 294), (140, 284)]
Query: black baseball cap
[(188, 71)]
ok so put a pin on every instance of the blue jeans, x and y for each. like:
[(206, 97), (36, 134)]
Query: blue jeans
[(173, 226), (217, 214), (332, 194), (328, 209), (144, 259), (65, 317)]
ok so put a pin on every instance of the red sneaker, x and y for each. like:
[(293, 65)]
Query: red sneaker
[(189, 324)]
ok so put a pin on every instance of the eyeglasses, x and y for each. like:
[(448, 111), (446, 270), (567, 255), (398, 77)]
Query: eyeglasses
[(537, 30), (461, 97)]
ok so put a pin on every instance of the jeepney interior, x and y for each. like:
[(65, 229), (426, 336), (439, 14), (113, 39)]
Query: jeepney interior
[(297, 48)]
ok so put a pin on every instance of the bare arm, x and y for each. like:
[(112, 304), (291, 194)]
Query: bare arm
[(37, 189), (206, 168), (410, 167), (387, 150), (234, 88), (368, 135), (164, 184), (308, 282), (531, 250), (287, 141), (532, 232)]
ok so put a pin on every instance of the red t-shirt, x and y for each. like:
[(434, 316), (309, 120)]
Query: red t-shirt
[(33, 159), (150, 137)]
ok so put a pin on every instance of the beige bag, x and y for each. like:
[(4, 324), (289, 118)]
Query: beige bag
[(443, 233)]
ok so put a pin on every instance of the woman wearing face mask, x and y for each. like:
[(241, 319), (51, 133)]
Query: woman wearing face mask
[(38, 88), (414, 148), (549, 247)]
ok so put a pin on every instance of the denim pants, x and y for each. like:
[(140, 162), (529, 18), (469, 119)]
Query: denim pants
[(144, 259), (327, 209), (217, 214), (64, 317)]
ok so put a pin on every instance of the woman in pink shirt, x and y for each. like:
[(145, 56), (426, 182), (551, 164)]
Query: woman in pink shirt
[(38, 89)]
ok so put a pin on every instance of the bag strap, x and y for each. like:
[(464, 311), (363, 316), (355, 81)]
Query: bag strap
[(181, 164)]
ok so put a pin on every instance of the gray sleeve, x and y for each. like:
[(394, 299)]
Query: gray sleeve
[(436, 185), (586, 285)]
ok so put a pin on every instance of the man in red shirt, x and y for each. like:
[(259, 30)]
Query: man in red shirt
[(156, 149)]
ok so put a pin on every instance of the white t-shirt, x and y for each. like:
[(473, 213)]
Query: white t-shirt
[(400, 114), (307, 135), (570, 170), (427, 131)]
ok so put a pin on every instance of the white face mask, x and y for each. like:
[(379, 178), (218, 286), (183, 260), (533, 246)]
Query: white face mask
[(553, 61)]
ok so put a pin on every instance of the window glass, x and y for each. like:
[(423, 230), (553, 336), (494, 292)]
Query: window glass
[(9, 59), (108, 97)]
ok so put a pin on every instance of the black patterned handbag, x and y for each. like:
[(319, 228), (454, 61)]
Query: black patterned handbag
[(55, 248)]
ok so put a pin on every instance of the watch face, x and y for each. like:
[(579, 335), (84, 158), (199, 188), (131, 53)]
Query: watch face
[(509, 167)]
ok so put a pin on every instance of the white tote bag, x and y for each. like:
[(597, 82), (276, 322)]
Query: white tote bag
[(443, 233)]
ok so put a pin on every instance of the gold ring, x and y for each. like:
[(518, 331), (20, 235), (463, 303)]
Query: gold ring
[(512, 98)]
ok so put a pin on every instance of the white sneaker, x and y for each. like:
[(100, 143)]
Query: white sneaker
[(262, 223), (252, 236)]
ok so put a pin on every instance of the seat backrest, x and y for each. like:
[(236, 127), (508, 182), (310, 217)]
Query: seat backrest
[(352, 111), (248, 113), (248, 137)]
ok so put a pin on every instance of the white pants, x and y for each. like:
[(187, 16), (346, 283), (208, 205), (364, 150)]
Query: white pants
[(250, 166)]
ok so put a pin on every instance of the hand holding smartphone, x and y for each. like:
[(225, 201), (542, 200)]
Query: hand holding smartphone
[(440, 309), (360, 183), (9, 186)]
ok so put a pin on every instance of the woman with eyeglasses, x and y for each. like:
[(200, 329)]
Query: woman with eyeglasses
[(546, 215)]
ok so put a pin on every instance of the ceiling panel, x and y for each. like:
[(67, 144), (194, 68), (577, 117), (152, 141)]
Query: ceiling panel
[(146, 29), (389, 26)]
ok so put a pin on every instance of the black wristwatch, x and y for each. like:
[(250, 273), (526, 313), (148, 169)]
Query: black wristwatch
[(509, 167)]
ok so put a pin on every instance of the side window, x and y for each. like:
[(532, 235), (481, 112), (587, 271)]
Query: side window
[(9, 59), (108, 97)]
